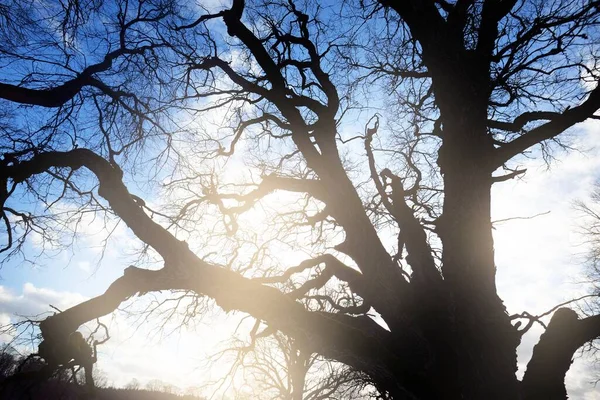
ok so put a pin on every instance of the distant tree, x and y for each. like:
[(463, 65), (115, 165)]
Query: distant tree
[(155, 385), (589, 224), (239, 122), (275, 367), (133, 384), (193, 391), (100, 378), (8, 362), (169, 388), (158, 385)]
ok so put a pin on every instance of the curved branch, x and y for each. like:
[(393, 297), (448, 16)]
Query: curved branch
[(53, 97), (357, 341), (518, 123), (111, 188), (551, 359), (550, 129), (59, 95), (553, 355), (243, 125), (333, 267)]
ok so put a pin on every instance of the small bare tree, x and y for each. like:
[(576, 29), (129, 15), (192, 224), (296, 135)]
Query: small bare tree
[(276, 367)]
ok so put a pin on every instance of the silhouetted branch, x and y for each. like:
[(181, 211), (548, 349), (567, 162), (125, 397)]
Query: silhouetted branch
[(550, 129)]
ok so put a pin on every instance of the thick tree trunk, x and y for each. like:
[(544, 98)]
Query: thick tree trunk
[(472, 341), (483, 341)]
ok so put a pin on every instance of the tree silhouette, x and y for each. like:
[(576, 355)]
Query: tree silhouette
[(275, 367), (134, 384), (99, 94)]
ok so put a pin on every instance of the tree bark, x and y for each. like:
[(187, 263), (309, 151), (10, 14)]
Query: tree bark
[(552, 358), (483, 339)]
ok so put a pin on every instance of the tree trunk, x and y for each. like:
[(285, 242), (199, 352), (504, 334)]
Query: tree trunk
[(482, 342)]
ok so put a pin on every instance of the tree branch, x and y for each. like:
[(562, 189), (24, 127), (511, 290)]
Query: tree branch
[(349, 339), (493, 11), (59, 95), (111, 188), (518, 123), (333, 267), (423, 18), (321, 155), (554, 127)]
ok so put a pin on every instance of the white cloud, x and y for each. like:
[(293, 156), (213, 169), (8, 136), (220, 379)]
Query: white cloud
[(581, 380), (34, 300), (85, 266)]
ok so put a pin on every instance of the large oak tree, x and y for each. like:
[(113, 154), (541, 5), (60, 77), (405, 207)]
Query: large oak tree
[(96, 94)]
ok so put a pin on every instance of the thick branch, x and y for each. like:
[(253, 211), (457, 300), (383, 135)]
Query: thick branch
[(59, 95), (419, 252), (552, 356), (457, 17), (423, 18), (420, 255), (54, 97), (493, 11), (312, 187), (358, 341), (554, 127), (269, 184), (333, 267), (519, 123), (111, 188)]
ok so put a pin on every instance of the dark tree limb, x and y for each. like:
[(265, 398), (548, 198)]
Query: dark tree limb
[(111, 188), (553, 355), (493, 11), (554, 127), (59, 95), (457, 17), (423, 18), (333, 267), (357, 341), (511, 175), (519, 123)]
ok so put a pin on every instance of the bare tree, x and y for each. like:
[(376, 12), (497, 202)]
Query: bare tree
[(140, 91), (133, 384), (275, 367), (589, 233)]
